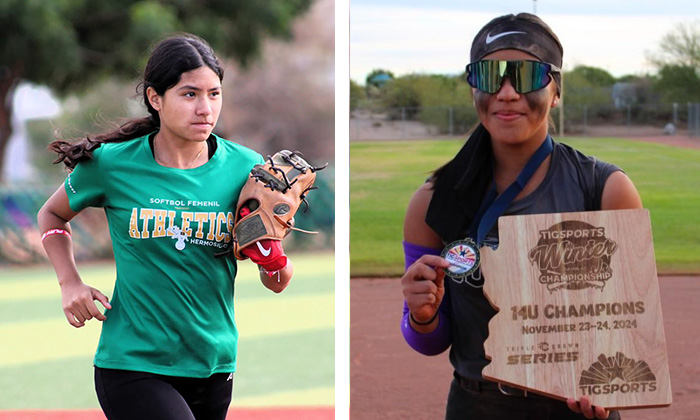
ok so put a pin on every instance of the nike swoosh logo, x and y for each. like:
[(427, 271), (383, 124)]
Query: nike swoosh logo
[(263, 251), (490, 39)]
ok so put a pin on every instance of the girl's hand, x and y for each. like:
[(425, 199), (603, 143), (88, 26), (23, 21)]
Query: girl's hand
[(589, 411), (78, 300), (424, 287)]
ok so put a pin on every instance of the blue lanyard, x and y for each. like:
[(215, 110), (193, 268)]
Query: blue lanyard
[(494, 205)]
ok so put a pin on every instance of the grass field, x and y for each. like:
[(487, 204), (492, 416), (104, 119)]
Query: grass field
[(286, 347), (384, 175)]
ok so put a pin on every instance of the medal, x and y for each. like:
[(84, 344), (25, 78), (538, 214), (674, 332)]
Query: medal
[(463, 256)]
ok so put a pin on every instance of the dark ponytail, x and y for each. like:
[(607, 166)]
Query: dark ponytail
[(168, 61), (73, 153)]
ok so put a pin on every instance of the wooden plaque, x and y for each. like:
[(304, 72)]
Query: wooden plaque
[(579, 309)]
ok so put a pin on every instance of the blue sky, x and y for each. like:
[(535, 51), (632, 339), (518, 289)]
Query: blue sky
[(589, 7), (433, 36)]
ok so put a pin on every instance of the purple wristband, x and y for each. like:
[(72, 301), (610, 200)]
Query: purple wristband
[(440, 339), (411, 253)]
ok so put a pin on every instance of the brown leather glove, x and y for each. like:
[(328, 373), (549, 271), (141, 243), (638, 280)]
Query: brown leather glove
[(270, 199)]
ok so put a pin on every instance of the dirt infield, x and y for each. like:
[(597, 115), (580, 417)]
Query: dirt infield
[(389, 381), (321, 413), (676, 141)]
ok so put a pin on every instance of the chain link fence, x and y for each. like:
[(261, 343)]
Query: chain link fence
[(577, 120)]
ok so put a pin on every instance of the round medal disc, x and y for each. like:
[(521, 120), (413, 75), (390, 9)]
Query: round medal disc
[(463, 256)]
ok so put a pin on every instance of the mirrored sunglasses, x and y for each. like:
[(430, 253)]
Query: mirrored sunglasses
[(525, 75)]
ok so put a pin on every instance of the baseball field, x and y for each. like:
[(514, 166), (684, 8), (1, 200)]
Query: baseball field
[(286, 348), (384, 175), (389, 381)]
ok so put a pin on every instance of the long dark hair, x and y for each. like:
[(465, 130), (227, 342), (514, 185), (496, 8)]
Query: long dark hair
[(168, 61)]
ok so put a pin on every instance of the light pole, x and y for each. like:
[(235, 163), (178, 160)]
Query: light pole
[(534, 7)]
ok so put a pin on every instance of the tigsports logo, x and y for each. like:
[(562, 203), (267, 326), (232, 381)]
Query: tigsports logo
[(619, 373), (573, 255)]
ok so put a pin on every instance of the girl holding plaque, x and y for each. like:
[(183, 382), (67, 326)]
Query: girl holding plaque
[(509, 165)]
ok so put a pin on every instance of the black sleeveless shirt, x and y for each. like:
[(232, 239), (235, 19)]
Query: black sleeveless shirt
[(574, 182)]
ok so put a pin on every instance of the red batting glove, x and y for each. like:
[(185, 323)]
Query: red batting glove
[(244, 212), (266, 253)]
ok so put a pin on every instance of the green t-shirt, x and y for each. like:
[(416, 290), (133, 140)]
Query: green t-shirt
[(172, 306)]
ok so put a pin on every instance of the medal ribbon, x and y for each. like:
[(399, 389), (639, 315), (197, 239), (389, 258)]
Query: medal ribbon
[(494, 204)]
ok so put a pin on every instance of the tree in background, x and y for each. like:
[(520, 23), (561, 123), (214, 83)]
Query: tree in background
[(679, 83), (438, 100), (69, 44), (403, 93), (448, 104), (286, 99), (585, 85), (678, 61), (594, 75), (679, 47), (357, 94), (378, 78), (375, 82)]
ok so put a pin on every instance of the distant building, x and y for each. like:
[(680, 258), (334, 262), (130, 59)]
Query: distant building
[(30, 102), (624, 94)]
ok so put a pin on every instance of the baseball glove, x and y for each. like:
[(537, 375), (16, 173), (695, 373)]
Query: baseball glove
[(270, 199)]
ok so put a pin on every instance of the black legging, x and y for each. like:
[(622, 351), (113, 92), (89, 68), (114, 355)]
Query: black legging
[(129, 395), (463, 404)]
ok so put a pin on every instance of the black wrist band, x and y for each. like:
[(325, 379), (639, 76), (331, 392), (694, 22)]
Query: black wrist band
[(428, 322)]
